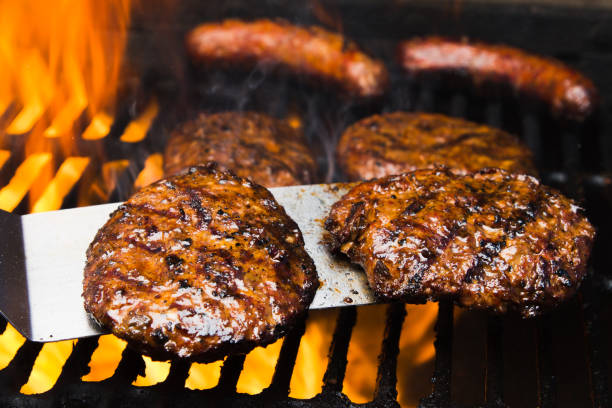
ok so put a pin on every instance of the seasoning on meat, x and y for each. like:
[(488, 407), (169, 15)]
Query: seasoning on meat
[(198, 266), (393, 143), (568, 93), (305, 51), (490, 240), (253, 145)]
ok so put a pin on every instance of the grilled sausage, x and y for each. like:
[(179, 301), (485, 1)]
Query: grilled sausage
[(198, 266), (311, 52), (491, 240), (568, 93), (254, 145), (398, 142)]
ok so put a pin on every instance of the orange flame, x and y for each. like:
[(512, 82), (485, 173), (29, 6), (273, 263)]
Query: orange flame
[(59, 73)]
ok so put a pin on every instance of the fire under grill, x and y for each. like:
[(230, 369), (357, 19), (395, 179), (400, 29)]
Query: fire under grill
[(560, 359)]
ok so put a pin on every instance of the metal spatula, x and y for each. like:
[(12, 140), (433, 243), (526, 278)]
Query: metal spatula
[(42, 257)]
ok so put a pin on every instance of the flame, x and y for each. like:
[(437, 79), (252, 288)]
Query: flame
[(153, 170), (138, 128), (59, 74)]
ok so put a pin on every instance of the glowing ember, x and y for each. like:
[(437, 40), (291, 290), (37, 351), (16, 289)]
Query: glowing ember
[(153, 170), (138, 128), (105, 359), (155, 372), (66, 177), (98, 127), (259, 368), (12, 194), (311, 361), (4, 156), (203, 376)]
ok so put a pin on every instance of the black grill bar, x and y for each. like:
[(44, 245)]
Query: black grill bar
[(336, 367), (16, 374), (77, 364), (286, 360), (230, 373), (386, 379), (547, 384), (595, 346), (130, 366), (441, 395), (494, 370)]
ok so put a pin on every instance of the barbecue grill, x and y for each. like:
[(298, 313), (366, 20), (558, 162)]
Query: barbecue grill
[(560, 359)]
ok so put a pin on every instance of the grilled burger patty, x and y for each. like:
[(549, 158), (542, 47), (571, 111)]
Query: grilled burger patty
[(398, 142), (198, 266), (491, 240), (312, 52), (254, 145), (567, 92)]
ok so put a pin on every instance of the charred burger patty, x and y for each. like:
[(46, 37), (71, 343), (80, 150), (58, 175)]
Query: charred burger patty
[(254, 145), (397, 142), (490, 240), (199, 265)]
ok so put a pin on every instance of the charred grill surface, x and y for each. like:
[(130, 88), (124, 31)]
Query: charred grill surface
[(312, 52), (491, 240), (567, 92), (394, 143), (253, 145), (198, 266)]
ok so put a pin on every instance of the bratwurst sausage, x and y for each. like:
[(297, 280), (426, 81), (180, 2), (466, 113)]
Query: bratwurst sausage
[(312, 52), (568, 93)]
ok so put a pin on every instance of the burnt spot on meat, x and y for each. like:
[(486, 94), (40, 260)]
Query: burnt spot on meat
[(159, 337), (173, 261), (564, 277), (492, 240)]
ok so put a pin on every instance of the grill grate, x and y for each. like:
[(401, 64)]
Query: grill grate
[(323, 119)]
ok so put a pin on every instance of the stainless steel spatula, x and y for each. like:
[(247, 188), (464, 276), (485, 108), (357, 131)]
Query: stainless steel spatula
[(42, 257)]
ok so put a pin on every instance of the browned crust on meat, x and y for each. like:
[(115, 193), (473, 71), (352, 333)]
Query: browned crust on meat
[(253, 145), (490, 240), (198, 266), (305, 51), (398, 142), (568, 93)]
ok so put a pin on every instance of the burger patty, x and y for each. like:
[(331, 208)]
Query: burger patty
[(312, 52), (398, 142), (198, 266), (254, 145), (568, 93), (490, 240)]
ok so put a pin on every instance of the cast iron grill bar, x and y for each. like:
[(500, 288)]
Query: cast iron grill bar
[(230, 373), (547, 383), (130, 366), (441, 379), (286, 360), (532, 135), (494, 368), (386, 379), (77, 364), (595, 354), (336, 368), (179, 371), (16, 374), (595, 346)]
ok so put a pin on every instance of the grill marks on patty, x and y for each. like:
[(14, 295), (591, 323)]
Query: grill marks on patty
[(490, 240), (198, 266), (393, 143), (264, 149)]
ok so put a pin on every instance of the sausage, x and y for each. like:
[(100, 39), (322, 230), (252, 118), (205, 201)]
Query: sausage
[(568, 93), (311, 52)]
